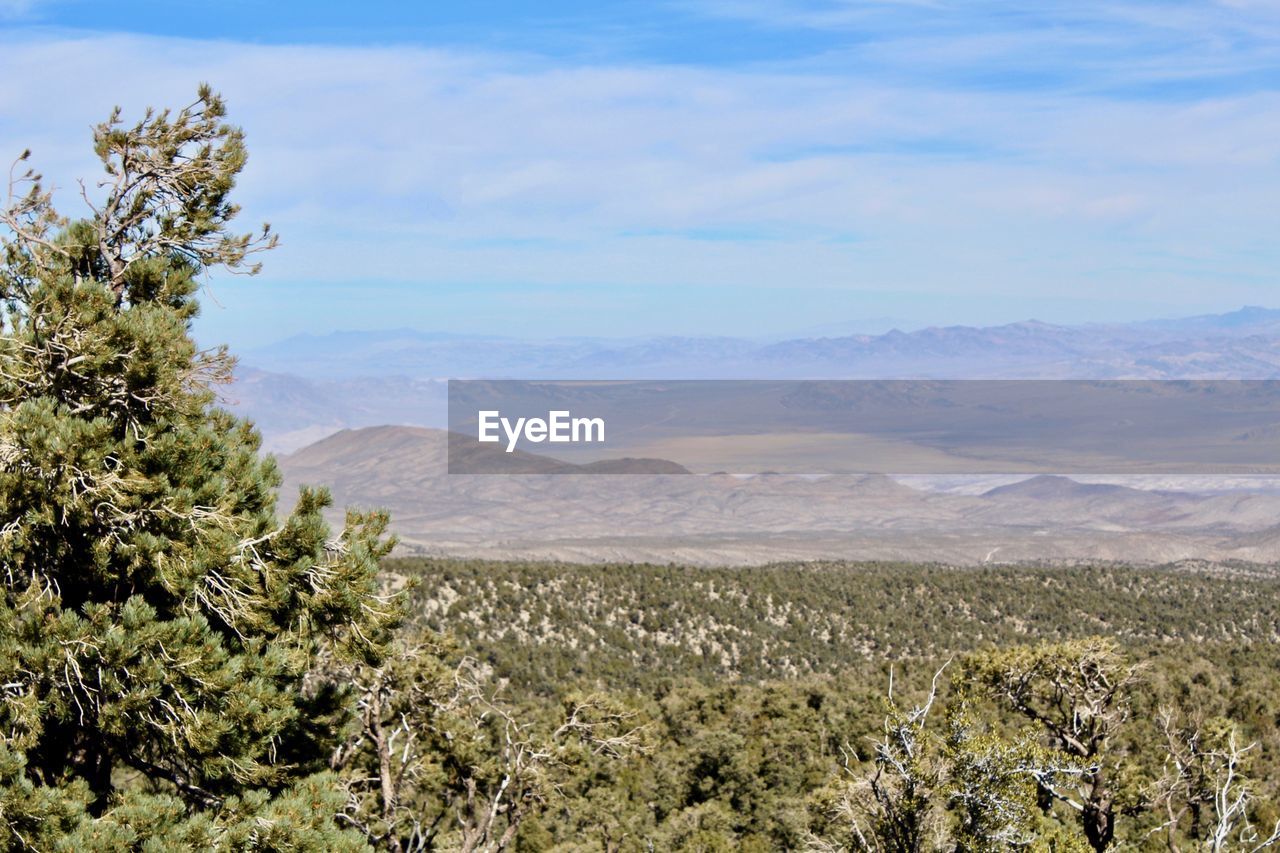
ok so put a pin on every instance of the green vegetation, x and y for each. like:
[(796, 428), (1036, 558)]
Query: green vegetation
[(546, 624), (159, 628), (180, 669), (765, 693)]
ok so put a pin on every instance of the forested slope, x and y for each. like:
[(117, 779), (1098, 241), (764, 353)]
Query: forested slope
[(768, 725), (542, 624)]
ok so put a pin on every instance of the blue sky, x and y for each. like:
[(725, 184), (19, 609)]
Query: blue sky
[(753, 167)]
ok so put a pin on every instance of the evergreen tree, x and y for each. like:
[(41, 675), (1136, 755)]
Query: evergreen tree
[(160, 629)]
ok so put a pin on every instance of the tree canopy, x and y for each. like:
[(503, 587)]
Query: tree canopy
[(158, 621)]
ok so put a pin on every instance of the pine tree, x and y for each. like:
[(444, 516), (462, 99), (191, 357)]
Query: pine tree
[(160, 629)]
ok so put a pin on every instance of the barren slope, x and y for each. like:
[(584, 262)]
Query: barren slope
[(724, 519)]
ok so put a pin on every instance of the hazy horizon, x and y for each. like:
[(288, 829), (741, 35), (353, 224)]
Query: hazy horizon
[(872, 326)]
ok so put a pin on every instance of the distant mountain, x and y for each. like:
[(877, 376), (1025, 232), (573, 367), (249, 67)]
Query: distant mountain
[(1240, 344), (936, 352), (1052, 487), (1251, 319), (308, 386)]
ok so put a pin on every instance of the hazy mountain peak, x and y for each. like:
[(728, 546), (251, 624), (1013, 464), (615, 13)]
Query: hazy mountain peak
[(1054, 486), (1030, 348)]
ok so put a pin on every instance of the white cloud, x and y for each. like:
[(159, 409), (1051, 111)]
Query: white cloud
[(1082, 45), (445, 166)]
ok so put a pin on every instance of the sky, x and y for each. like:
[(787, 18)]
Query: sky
[(760, 168)]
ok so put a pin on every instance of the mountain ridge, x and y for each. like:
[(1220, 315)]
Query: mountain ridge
[(930, 351), (308, 386)]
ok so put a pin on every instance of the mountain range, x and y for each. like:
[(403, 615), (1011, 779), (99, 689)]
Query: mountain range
[(306, 387)]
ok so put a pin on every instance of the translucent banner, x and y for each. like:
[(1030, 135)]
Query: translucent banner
[(899, 427)]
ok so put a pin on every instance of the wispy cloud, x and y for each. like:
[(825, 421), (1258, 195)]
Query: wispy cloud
[(453, 166), (1088, 44)]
